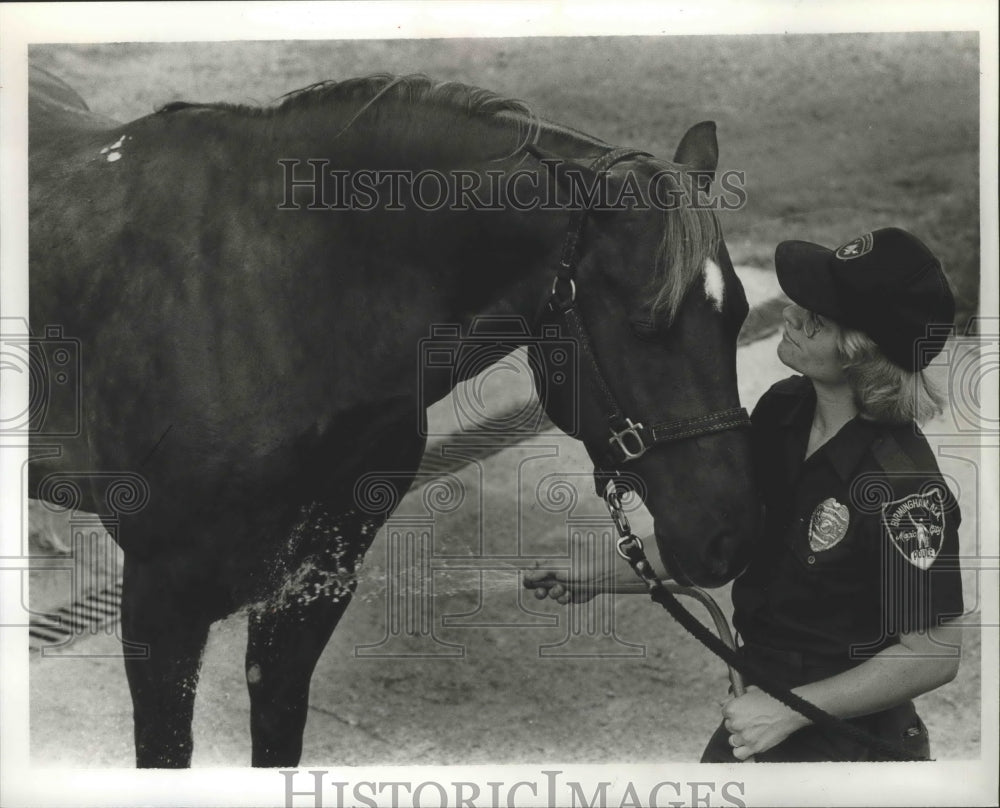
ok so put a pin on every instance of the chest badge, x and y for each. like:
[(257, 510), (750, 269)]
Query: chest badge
[(828, 525), (915, 524)]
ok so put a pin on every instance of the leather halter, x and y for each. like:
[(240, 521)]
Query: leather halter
[(629, 439)]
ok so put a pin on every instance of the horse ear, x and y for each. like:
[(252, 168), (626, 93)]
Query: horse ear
[(699, 150)]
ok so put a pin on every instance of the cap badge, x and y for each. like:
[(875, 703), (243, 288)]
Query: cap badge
[(862, 245), (828, 525), (915, 525)]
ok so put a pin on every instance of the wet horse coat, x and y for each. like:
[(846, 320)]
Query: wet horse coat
[(249, 351)]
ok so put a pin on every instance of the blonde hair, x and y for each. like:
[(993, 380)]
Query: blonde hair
[(883, 391)]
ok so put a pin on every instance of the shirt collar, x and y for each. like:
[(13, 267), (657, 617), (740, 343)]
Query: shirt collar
[(844, 450), (801, 395), (847, 448)]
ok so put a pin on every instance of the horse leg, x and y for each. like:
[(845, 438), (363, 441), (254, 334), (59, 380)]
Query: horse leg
[(290, 629), (288, 632), (172, 623)]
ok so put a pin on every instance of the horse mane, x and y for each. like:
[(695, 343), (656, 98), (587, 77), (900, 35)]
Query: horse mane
[(416, 92), (691, 236), (416, 89)]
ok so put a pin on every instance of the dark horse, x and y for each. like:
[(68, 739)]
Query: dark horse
[(248, 348)]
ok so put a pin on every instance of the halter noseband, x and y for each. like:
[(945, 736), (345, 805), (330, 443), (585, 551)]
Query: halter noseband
[(629, 439)]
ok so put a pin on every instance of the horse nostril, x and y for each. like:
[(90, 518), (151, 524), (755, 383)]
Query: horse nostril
[(723, 557)]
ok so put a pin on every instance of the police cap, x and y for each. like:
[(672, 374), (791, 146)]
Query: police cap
[(886, 283)]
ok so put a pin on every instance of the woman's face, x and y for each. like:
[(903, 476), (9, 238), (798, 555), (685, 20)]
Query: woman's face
[(809, 345)]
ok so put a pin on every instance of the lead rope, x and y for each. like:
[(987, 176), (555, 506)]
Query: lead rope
[(629, 547)]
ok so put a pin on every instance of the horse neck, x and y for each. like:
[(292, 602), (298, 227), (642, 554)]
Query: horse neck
[(499, 262)]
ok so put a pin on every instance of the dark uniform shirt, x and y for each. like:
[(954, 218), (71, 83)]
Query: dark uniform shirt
[(861, 538)]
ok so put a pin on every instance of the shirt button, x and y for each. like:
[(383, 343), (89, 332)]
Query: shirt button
[(811, 559)]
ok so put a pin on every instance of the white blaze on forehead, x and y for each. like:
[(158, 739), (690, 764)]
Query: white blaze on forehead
[(715, 286)]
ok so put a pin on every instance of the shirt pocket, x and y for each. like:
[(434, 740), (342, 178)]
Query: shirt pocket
[(827, 537)]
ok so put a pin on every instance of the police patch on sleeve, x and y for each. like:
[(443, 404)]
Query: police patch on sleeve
[(828, 525), (856, 247), (915, 525)]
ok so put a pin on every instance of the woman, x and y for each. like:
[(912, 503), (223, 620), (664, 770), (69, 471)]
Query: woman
[(847, 596)]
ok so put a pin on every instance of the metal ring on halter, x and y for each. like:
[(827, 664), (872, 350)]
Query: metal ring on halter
[(622, 524), (610, 489), (572, 287), (613, 501), (620, 545)]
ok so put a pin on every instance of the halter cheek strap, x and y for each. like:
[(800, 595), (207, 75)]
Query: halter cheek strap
[(628, 440)]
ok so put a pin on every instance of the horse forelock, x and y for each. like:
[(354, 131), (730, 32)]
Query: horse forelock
[(690, 239)]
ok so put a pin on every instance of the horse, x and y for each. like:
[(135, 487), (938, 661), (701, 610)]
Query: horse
[(246, 293)]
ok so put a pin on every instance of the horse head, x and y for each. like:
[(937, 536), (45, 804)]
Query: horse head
[(650, 297)]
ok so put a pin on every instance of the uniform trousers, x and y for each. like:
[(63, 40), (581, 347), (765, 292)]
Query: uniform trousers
[(899, 725)]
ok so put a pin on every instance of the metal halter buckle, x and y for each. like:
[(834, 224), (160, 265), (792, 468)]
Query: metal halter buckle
[(619, 438), (572, 288)]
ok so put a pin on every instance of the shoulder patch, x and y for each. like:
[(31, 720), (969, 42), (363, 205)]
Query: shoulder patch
[(915, 526), (856, 248)]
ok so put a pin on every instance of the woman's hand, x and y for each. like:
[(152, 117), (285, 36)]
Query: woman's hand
[(568, 586), (756, 722)]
